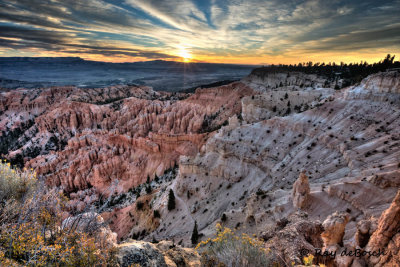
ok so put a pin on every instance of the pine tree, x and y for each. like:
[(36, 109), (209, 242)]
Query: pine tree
[(171, 200), (223, 218), (148, 189), (195, 234)]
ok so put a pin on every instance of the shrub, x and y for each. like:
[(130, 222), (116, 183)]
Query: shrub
[(231, 249), (14, 184), (30, 232), (308, 260)]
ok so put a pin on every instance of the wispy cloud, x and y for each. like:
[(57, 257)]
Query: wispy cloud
[(251, 31)]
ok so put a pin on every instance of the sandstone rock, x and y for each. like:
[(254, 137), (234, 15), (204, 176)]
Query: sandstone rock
[(300, 235), (379, 86), (334, 227), (267, 81), (301, 191), (365, 228), (387, 236)]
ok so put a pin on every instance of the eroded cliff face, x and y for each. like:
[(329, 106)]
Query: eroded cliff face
[(239, 149), (263, 81), (348, 146), (89, 138)]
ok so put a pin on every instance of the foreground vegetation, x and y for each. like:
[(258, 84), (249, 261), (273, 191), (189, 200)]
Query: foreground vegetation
[(231, 249), (31, 229)]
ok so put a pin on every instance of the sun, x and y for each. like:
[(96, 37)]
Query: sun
[(185, 55)]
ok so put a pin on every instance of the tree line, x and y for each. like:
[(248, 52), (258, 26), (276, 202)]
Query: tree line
[(351, 73)]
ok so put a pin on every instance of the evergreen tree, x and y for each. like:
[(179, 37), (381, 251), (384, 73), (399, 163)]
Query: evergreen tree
[(148, 189), (195, 234), (171, 200), (224, 218)]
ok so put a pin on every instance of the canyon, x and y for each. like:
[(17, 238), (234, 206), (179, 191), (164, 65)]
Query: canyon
[(283, 156)]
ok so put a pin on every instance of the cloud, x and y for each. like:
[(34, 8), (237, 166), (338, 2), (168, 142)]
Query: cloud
[(213, 29)]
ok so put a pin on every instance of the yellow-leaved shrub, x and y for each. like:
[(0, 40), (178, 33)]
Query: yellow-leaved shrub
[(30, 226), (231, 249)]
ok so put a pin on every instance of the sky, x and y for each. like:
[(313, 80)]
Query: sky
[(243, 32)]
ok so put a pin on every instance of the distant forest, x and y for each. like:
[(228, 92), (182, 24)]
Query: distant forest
[(350, 73)]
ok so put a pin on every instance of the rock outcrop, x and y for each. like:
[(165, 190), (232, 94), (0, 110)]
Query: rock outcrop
[(264, 80), (301, 191), (387, 236), (162, 254), (365, 228), (334, 227), (294, 240)]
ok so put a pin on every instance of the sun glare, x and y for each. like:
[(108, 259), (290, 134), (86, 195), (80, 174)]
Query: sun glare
[(185, 55)]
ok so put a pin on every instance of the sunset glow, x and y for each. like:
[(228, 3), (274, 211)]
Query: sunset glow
[(185, 55)]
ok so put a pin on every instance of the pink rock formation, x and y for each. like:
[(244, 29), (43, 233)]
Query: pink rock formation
[(89, 140)]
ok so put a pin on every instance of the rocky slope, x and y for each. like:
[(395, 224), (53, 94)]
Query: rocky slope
[(237, 150), (346, 141)]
